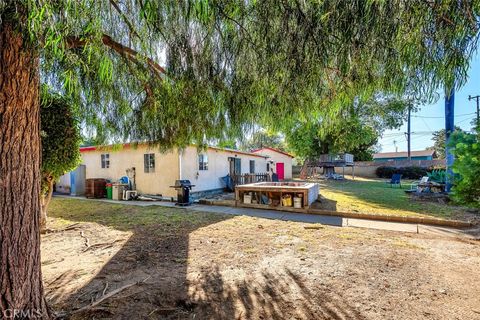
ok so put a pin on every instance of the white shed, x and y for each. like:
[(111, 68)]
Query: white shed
[(280, 162)]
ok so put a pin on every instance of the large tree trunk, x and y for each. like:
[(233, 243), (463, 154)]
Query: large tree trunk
[(20, 272), (304, 171)]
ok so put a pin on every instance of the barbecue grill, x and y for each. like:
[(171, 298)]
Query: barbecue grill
[(183, 188)]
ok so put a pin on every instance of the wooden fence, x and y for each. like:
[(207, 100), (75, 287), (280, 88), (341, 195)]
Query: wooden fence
[(250, 178)]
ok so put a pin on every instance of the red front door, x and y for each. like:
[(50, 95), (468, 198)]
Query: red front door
[(280, 170)]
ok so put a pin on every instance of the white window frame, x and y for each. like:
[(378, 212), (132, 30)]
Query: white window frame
[(252, 169), (202, 162), (149, 162), (105, 160)]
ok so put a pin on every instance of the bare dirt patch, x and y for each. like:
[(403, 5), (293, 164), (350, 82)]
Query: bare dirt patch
[(181, 265)]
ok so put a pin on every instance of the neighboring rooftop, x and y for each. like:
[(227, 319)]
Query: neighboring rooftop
[(272, 149), (404, 154)]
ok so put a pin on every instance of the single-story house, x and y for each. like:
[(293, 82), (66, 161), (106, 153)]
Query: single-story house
[(279, 161), (403, 155), (155, 171)]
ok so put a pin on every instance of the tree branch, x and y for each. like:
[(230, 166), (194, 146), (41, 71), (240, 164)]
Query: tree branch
[(124, 17), (124, 51)]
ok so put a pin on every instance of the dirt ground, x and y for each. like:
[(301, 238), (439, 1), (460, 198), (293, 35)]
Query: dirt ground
[(204, 266)]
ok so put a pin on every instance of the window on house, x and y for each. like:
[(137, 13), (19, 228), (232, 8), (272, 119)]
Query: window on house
[(149, 162), (202, 162), (268, 167), (105, 158), (252, 166)]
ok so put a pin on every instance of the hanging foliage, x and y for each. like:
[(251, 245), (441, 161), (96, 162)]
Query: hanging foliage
[(228, 65)]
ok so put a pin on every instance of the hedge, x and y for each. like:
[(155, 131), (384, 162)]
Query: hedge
[(406, 172)]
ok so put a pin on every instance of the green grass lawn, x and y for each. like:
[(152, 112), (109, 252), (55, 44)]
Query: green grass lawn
[(126, 217), (375, 196)]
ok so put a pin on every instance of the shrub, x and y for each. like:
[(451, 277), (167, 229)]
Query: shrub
[(437, 175), (385, 172), (466, 148), (406, 172)]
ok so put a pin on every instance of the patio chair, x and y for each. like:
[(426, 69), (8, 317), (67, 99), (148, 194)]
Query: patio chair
[(414, 185), (396, 180)]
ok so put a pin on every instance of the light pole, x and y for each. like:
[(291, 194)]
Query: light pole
[(449, 127), (478, 109), (409, 134)]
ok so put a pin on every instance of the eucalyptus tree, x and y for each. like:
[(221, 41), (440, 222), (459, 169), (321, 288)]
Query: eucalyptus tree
[(173, 72)]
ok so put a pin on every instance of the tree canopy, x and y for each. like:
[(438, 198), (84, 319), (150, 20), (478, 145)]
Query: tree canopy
[(355, 129), (439, 139), (264, 138), (176, 72), (230, 64)]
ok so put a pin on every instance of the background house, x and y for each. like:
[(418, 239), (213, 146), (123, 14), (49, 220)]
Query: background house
[(155, 172), (279, 161), (403, 155)]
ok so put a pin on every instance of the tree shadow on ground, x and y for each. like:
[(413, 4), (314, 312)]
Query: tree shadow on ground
[(270, 294), (152, 262), (153, 267)]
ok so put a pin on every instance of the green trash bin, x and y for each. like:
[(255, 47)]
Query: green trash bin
[(109, 191)]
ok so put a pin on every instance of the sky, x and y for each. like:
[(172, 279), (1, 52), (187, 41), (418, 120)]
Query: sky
[(431, 117)]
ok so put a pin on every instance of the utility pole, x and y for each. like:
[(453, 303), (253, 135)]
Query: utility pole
[(409, 133), (449, 127), (478, 109)]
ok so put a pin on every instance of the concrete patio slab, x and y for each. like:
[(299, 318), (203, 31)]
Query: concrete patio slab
[(382, 225)]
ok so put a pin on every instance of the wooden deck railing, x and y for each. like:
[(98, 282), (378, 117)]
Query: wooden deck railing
[(250, 178), (340, 159)]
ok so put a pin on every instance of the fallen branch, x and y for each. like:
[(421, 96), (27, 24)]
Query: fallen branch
[(87, 241), (103, 245), (105, 289), (109, 295), (70, 227)]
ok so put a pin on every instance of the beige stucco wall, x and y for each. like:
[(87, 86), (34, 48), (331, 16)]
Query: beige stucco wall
[(158, 182), (218, 166), (278, 157)]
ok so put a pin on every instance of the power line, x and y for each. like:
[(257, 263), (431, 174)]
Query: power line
[(421, 136), (397, 134), (390, 138), (457, 115), (426, 124), (465, 120)]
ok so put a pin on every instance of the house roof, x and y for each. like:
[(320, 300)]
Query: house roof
[(274, 150), (238, 151), (128, 145), (403, 154)]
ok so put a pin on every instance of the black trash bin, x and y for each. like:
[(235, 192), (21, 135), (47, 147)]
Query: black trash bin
[(183, 188)]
